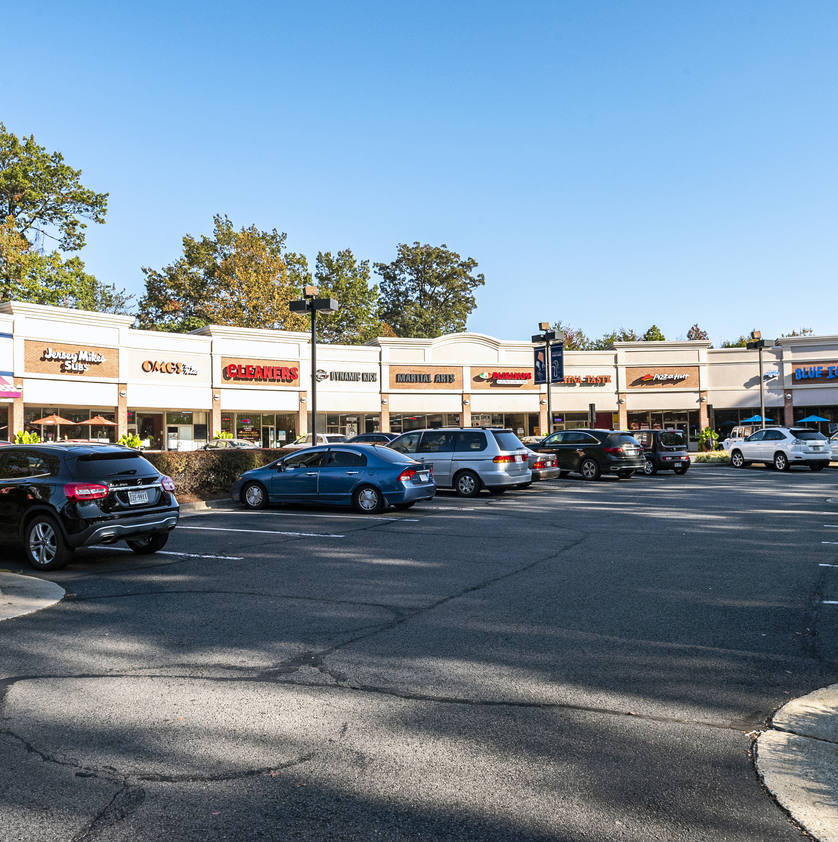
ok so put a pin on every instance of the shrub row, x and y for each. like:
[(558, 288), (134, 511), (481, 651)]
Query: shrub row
[(209, 473)]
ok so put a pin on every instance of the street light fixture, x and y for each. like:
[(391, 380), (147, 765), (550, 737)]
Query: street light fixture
[(547, 336), (758, 343), (311, 304)]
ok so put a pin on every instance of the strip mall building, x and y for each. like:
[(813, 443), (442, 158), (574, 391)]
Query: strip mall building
[(177, 390)]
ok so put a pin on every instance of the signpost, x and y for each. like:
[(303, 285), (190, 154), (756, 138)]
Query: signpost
[(548, 356)]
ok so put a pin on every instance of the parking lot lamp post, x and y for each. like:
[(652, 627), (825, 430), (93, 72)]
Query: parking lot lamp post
[(758, 343), (311, 304), (547, 336)]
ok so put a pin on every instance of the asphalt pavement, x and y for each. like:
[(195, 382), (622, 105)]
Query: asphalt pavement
[(575, 661)]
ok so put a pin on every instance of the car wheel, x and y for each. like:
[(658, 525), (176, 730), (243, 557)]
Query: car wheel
[(681, 470), (649, 468), (737, 459), (45, 546), (254, 496), (589, 469), (625, 474), (368, 500), (148, 544), (403, 507), (781, 461), (818, 466), (497, 491), (467, 484)]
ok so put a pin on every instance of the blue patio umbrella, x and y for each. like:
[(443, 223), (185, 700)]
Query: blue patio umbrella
[(813, 419), (756, 419)]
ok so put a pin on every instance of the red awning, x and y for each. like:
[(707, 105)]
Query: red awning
[(8, 388)]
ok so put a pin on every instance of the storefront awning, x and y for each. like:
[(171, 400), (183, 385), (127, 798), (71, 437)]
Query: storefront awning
[(8, 388)]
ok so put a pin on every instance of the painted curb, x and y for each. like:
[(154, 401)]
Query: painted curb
[(20, 595)]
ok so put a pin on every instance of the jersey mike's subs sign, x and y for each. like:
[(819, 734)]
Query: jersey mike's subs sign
[(244, 371), (76, 360)]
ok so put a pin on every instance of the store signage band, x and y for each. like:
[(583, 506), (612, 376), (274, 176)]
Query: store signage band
[(585, 379), (815, 372), (506, 378), (73, 361), (244, 372), (413, 377), (657, 377), (346, 376)]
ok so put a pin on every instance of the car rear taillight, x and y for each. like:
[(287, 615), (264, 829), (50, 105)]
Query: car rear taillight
[(504, 459), (168, 483), (407, 474), (81, 492), (614, 451), (539, 465)]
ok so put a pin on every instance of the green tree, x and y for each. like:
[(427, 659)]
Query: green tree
[(27, 274), (608, 339), (741, 342), (802, 331), (653, 334), (44, 195), (695, 332), (574, 339), (345, 278), (427, 290), (234, 277)]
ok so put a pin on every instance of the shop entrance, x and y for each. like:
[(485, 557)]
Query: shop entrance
[(149, 427), (686, 421)]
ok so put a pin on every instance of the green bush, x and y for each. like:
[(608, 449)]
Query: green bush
[(24, 437), (130, 440), (209, 473), (708, 438), (715, 457)]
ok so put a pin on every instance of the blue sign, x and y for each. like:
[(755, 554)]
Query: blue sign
[(540, 364), (557, 363)]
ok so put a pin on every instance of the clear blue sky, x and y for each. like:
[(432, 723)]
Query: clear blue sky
[(606, 163)]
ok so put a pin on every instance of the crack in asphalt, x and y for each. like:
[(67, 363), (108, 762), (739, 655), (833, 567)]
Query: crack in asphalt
[(124, 802)]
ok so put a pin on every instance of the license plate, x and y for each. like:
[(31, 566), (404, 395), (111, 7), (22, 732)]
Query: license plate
[(423, 476), (137, 497)]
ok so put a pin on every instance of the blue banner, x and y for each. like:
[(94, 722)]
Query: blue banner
[(540, 364), (556, 363)]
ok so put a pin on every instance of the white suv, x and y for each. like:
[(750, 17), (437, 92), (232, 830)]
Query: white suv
[(782, 447)]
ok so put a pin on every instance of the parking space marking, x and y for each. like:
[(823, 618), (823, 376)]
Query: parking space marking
[(830, 602), (824, 564), (169, 552), (264, 532), (324, 514)]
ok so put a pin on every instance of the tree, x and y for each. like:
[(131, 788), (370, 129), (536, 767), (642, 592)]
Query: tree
[(695, 332), (43, 195), (239, 278), (27, 274), (741, 342), (608, 339), (653, 334), (574, 339), (345, 278), (803, 331), (427, 290)]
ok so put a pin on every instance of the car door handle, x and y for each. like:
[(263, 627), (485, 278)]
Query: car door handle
[(311, 473), (352, 473)]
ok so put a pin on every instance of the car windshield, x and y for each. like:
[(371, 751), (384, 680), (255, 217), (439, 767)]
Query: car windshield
[(672, 438), (807, 435), (100, 466), (507, 440)]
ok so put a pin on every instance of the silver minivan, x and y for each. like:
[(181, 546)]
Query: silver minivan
[(469, 459)]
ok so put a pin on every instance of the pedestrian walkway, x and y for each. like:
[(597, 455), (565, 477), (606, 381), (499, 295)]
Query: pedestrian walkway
[(25, 594)]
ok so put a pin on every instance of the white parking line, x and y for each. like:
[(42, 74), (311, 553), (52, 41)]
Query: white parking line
[(312, 514), (829, 542), (170, 552), (264, 532), (824, 564), (830, 602)]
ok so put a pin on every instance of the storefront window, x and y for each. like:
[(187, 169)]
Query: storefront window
[(404, 423), (77, 430)]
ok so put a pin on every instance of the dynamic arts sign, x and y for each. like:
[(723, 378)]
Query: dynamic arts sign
[(322, 375), (662, 377), (76, 360), (244, 372)]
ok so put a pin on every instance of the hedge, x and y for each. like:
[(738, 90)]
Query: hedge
[(209, 473)]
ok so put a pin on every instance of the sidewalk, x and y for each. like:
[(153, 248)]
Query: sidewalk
[(25, 594), (797, 759)]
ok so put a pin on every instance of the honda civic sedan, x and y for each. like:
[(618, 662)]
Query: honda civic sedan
[(367, 476)]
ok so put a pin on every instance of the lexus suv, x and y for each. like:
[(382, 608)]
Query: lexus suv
[(55, 498), (594, 452), (782, 447)]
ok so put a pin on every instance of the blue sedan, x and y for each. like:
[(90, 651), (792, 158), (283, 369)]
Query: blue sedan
[(368, 477)]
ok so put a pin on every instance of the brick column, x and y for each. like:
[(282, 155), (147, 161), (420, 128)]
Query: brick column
[(302, 415), (465, 418), (703, 417), (16, 413), (122, 411), (622, 411), (215, 414), (384, 421), (542, 416), (788, 408)]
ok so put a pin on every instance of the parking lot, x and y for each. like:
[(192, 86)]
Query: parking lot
[(576, 660)]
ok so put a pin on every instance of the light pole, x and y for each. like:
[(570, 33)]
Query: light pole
[(547, 336), (759, 343), (311, 304)]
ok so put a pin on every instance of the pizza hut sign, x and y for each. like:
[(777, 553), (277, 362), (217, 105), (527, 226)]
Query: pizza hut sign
[(73, 362)]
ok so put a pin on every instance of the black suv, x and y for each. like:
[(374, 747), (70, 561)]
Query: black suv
[(663, 450), (594, 452), (57, 497)]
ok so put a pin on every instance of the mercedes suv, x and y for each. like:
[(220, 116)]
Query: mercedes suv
[(55, 498)]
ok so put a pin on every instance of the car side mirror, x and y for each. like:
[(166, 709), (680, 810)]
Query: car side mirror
[(280, 466)]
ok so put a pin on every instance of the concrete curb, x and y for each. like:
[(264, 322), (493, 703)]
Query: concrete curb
[(205, 506), (797, 760), (21, 595)]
